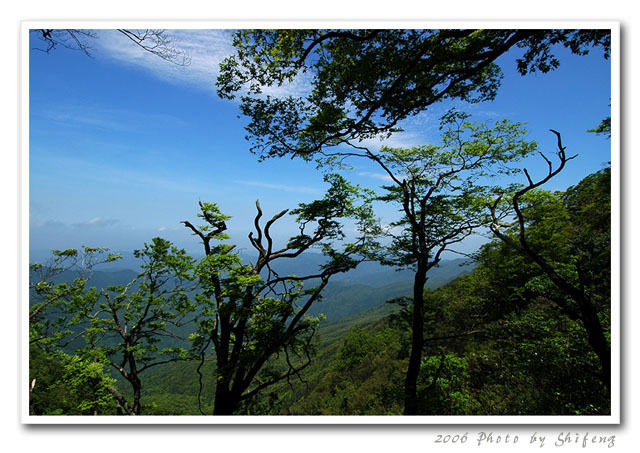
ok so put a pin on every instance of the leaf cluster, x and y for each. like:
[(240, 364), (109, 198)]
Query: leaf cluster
[(363, 83)]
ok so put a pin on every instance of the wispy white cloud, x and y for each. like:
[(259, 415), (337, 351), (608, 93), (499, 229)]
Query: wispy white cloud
[(281, 187), (416, 131), (206, 49), (404, 139), (95, 223), (121, 176), (79, 116), (170, 228), (383, 176), (45, 224)]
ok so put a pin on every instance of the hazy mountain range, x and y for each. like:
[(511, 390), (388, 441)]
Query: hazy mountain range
[(368, 286)]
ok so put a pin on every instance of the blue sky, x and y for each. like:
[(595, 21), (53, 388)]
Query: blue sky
[(123, 145)]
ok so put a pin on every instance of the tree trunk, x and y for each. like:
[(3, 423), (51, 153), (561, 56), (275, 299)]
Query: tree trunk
[(417, 343), (596, 337), (121, 402), (589, 318), (225, 402), (137, 394), (588, 314)]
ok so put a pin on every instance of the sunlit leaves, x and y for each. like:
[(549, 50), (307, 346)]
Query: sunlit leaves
[(362, 83), (443, 190), (55, 305), (249, 313)]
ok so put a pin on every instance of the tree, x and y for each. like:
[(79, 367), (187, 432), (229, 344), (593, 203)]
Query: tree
[(250, 314), (441, 193), (123, 326), (365, 82), (154, 41), (543, 232), (604, 127), (54, 287), (63, 384), (128, 323), (524, 354)]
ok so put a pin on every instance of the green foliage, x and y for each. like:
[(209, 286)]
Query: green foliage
[(444, 385), (69, 385), (571, 231), (52, 304), (443, 190), (603, 128), (364, 376), (129, 324), (64, 384), (257, 321), (87, 377), (545, 356), (358, 343), (533, 355), (364, 82), (589, 208), (121, 326), (443, 193), (501, 340)]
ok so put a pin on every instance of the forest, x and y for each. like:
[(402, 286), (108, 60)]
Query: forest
[(355, 313)]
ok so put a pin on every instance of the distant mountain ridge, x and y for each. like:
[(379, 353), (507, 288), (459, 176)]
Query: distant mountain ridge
[(367, 286)]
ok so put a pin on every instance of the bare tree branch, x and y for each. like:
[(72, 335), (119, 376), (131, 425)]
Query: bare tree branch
[(154, 41)]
